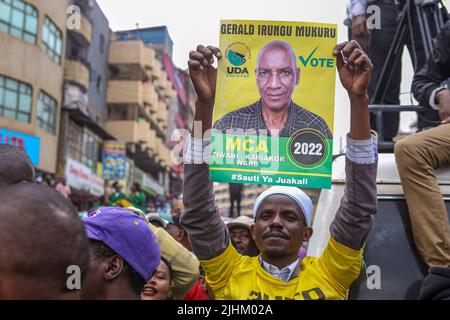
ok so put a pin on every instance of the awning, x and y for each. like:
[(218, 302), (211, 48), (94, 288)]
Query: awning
[(149, 191)]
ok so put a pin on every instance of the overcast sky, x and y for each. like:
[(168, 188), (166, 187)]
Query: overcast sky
[(197, 21)]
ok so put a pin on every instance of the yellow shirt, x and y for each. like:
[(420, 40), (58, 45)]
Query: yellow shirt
[(236, 277), (185, 265)]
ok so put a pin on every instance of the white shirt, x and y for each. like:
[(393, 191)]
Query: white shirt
[(355, 8), (284, 274)]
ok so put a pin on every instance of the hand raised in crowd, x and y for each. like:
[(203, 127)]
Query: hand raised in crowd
[(354, 67), (204, 77), (359, 26), (443, 99), (202, 72)]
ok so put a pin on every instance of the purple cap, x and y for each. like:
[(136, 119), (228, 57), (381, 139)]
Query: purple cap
[(128, 235)]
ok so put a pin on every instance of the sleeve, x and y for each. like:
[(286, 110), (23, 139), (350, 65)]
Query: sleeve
[(429, 79), (342, 258), (142, 198), (340, 264), (354, 218), (219, 269), (207, 232), (184, 264), (355, 8)]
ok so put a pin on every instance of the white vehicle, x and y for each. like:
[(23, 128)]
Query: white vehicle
[(393, 268)]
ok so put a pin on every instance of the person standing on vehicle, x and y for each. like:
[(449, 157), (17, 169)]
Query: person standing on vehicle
[(419, 155)]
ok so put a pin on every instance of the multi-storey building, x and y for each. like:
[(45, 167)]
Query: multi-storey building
[(139, 95), (32, 59), (180, 105), (84, 108), (156, 37)]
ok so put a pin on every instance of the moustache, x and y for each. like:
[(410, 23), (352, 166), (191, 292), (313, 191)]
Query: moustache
[(276, 235)]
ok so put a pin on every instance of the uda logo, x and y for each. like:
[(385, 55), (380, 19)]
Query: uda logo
[(237, 55)]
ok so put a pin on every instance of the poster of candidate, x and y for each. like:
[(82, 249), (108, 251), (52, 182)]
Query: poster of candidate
[(274, 107)]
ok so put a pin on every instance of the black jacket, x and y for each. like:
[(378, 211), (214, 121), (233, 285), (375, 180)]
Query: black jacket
[(435, 71), (436, 286)]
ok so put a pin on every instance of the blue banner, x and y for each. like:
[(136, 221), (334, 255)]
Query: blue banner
[(29, 144)]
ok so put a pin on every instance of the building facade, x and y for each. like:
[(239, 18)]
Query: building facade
[(32, 59), (181, 104), (139, 101), (84, 107), (69, 86), (156, 37)]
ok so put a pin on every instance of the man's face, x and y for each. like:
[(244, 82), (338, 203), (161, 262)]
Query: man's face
[(280, 227), (276, 78), (242, 239), (94, 282), (174, 231), (20, 287)]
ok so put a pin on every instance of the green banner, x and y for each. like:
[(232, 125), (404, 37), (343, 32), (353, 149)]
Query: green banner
[(303, 160)]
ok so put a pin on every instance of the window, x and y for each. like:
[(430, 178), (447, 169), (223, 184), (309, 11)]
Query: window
[(93, 75), (84, 146), (19, 19), (91, 150), (15, 99), (99, 84), (74, 141), (102, 44), (52, 40), (46, 112)]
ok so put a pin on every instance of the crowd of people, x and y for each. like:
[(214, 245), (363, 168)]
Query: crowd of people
[(124, 249), (124, 253), (114, 196)]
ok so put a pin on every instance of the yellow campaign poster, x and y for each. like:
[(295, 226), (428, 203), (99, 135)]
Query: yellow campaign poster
[(274, 107)]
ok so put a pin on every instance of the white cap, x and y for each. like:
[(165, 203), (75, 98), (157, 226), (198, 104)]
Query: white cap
[(139, 212), (295, 194)]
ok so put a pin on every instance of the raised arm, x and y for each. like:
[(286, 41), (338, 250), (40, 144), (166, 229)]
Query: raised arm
[(207, 232), (354, 218)]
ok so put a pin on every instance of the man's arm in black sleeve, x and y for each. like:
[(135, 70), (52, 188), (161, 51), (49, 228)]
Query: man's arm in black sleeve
[(435, 71), (207, 232)]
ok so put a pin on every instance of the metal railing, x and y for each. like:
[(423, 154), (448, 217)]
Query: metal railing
[(378, 109)]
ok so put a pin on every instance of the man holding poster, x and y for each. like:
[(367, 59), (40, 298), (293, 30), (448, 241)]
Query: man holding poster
[(279, 131), (277, 75), (283, 215)]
